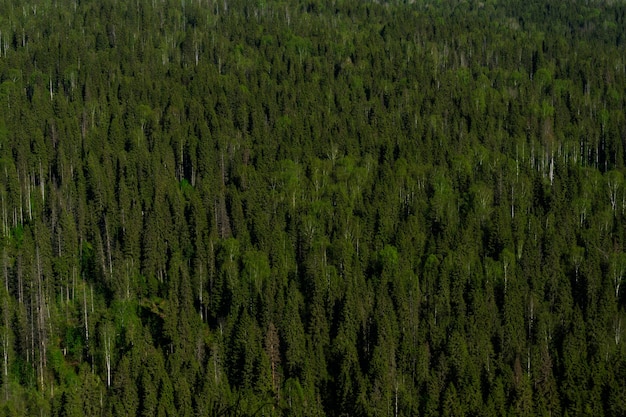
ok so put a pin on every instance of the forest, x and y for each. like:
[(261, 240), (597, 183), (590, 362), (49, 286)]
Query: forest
[(312, 208)]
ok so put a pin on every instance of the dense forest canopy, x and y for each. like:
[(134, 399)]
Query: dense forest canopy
[(312, 208)]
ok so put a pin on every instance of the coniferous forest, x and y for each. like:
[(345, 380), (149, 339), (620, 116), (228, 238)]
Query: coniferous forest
[(309, 208)]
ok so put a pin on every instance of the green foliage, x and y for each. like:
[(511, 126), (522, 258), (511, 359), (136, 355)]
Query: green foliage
[(312, 208)]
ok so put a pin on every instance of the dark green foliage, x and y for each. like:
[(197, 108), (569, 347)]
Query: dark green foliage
[(312, 208)]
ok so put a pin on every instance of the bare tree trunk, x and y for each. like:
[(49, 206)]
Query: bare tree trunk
[(107, 336), (41, 322), (272, 346), (85, 312), (5, 270), (28, 202), (5, 222), (106, 231), (200, 294), (5, 346), (42, 184), (20, 281)]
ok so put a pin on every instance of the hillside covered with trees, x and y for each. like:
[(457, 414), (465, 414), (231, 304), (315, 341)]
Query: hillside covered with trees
[(307, 208)]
